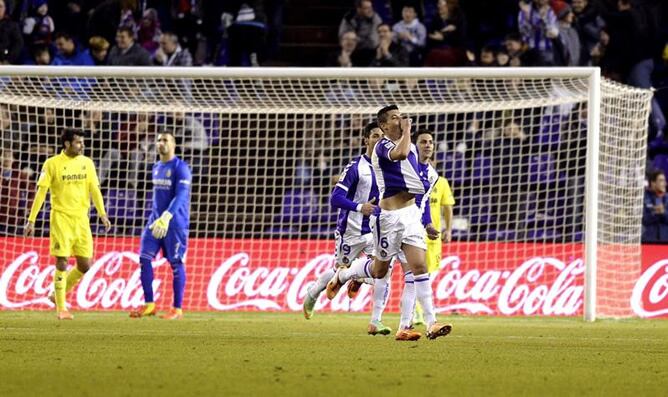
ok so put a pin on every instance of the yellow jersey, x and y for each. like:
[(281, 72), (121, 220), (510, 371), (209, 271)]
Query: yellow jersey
[(440, 195), (70, 180)]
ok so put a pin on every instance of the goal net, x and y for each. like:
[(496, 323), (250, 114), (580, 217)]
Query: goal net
[(266, 147)]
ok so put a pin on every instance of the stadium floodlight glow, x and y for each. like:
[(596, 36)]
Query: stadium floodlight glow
[(544, 162)]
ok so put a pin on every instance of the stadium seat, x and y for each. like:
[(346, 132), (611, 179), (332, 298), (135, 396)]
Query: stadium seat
[(660, 162), (482, 169), (297, 210), (121, 206), (452, 166), (542, 169)]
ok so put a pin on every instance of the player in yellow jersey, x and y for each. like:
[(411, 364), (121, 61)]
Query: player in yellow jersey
[(72, 180), (441, 201)]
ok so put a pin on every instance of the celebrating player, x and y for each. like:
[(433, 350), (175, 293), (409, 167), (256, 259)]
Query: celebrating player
[(399, 228), (354, 195), (167, 227), (72, 179)]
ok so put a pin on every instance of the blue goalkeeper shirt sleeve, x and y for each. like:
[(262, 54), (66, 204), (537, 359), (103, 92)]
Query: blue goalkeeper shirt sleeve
[(182, 182)]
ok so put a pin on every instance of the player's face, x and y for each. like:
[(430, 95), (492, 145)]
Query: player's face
[(165, 144), (425, 145), (660, 183), (393, 124), (75, 147), (374, 137)]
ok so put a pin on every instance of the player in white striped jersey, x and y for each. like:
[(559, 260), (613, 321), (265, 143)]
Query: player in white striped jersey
[(399, 228), (354, 195)]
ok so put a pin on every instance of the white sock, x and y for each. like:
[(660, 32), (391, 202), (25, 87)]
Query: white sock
[(407, 301), (424, 296), (320, 284), (360, 268), (381, 291)]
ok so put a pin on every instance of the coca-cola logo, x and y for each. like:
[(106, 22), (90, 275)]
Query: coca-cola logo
[(25, 283), (526, 290), (650, 293), (234, 285)]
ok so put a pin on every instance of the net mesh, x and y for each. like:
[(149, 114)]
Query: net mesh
[(265, 153)]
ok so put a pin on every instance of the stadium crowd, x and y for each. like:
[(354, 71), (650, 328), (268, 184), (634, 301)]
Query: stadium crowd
[(628, 39)]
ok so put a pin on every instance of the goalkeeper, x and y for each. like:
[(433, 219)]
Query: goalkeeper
[(167, 226)]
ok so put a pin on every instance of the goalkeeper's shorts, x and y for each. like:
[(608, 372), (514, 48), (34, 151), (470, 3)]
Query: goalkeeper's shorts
[(173, 246), (433, 256), (70, 235)]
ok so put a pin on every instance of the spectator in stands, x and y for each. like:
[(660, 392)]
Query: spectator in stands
[(486, 58), (69, 53), (389, 52), (655, 213), (567, 47), (149, 32), (502, 58), (247, 34), (38, 26), (11, 41), (13, 187), (519, 53), (447, 36), (347, 55), (41, 56), (126, 52), (411, 34), (42, 140), (364, 22), (110, 15), (99, 49), (170, 52), (538, 25), (589, 25)]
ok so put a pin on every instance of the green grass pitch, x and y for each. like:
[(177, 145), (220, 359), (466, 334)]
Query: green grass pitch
[(276, 354)]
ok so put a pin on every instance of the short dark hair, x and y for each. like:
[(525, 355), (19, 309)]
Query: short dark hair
[(422, 131), (383, 24), (655, 174), (63, 35), (127, 30), (366, 133), (514, 36), (381, 117), (167, 132), (69, 134)]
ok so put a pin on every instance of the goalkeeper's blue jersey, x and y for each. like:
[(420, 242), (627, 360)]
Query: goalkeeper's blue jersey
[(171, 191)]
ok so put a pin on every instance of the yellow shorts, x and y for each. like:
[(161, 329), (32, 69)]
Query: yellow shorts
[(433, 258), (70, 235)]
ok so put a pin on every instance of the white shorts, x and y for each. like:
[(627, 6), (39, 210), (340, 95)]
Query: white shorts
[(395, 228), (349, 248)]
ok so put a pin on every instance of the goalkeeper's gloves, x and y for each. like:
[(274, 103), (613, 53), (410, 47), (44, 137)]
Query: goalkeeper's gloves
[(161, 225)]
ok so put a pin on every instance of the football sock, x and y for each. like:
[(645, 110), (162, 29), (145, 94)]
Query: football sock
[(407, 301), (381, 290), (59, 285), (360, 268), (73, 277), (320, 284), (424, 296), (146, 275), (179, 283)]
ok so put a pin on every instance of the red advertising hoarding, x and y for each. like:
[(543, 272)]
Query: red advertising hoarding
[(490, 278)]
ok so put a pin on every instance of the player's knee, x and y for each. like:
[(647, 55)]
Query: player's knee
[(83, 266), (378, 271), (419, 268)]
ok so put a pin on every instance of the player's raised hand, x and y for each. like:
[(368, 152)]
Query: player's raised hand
[(106, 222), (368, 208), (432, 233), (29, 229), (406, 124)]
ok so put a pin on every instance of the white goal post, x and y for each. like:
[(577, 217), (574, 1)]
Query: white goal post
[(512, 141)]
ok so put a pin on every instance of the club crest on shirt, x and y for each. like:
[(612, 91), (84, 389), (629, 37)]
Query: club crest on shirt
[(169, 173)]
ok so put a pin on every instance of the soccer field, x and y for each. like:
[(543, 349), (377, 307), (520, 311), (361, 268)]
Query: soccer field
[(231, 354)]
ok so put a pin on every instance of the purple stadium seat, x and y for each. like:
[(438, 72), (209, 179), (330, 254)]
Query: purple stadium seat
[(660, 162), (482, 169), (542, 169), (452, 166), (297, 210)]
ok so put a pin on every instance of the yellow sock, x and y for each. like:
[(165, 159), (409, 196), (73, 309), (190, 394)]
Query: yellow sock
[(73, 277), (150, 306), (178, 310), (59, 285)]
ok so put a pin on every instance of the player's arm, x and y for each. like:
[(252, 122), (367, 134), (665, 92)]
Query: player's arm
[(447, 202), (183, 182), (43, 185), (339, 199), (403, 146), (96, 194)]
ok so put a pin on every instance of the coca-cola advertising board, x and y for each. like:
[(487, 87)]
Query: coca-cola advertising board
[(490, 278)]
